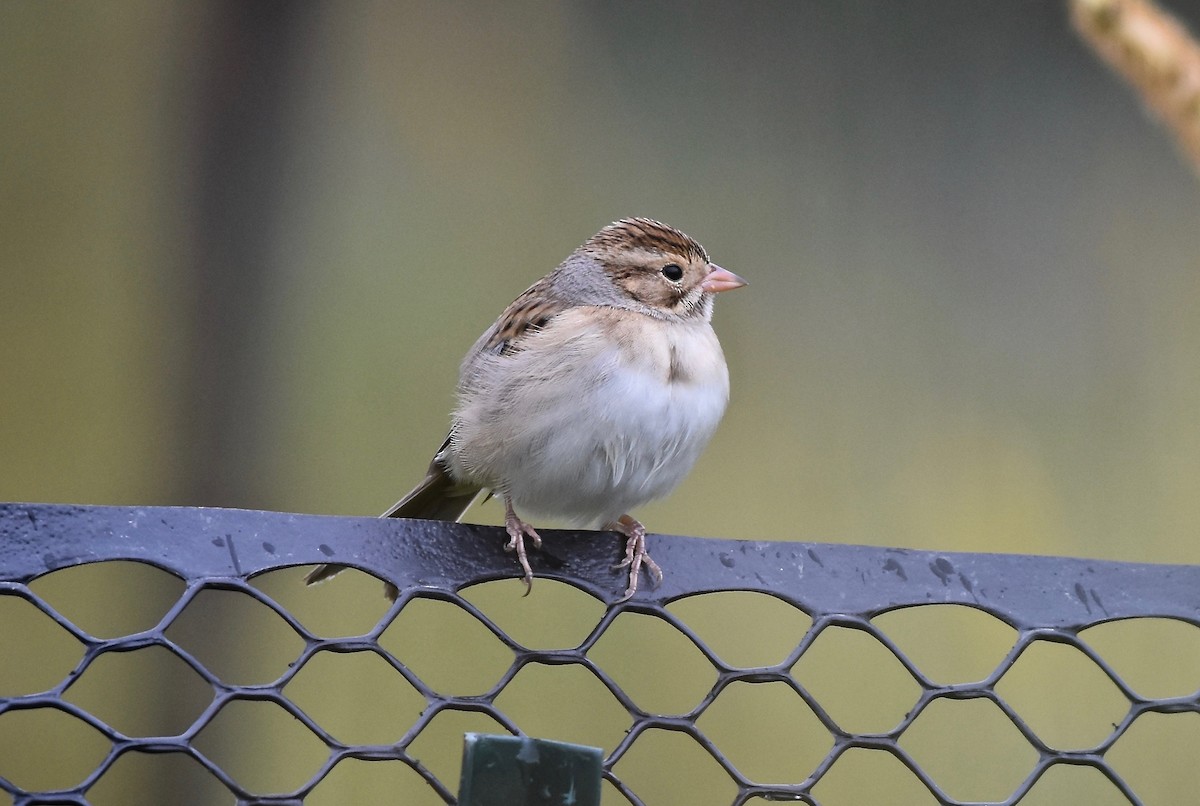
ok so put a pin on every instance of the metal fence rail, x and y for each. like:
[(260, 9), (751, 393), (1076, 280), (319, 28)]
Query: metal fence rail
[(1042, 599)]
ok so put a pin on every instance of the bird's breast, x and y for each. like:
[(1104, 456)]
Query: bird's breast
[(596, 415)]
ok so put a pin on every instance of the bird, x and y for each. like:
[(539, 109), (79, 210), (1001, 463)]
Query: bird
[(593, 393)]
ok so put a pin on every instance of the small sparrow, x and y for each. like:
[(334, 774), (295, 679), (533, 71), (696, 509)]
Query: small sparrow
[(592, 394)]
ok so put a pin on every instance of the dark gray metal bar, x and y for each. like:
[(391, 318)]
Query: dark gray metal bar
[(200, 542)]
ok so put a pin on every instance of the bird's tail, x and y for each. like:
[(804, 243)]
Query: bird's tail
[(437, 498)]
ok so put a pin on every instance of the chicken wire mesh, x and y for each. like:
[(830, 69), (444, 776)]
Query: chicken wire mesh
[(757, 671)]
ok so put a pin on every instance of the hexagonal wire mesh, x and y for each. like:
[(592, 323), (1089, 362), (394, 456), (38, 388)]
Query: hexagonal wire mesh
[(806, 723)]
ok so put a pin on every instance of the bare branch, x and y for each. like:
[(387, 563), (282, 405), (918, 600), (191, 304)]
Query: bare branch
[(1155, 53)]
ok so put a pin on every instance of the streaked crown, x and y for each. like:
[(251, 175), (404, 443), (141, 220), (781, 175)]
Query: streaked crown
[(648, 234)]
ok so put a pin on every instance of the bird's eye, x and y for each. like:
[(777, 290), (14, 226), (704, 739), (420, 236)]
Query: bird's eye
[(672, 272)]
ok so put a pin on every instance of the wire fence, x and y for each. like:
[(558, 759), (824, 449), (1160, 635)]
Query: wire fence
[(805, 683)]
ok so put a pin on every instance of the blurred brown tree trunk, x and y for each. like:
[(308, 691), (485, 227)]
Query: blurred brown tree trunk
[(246, 80)]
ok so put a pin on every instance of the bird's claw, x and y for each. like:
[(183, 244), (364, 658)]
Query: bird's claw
[(636, 556), (518, 530)]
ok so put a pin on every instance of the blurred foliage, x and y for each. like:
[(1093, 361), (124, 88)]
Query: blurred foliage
[(243, 247)]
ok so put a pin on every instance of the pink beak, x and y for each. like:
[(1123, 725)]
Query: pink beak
[(719, 279)]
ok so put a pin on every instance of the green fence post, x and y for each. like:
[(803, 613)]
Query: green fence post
[(519, 771)]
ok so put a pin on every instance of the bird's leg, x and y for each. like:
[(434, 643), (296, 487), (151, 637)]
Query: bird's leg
[(517, 531), (635, 554)]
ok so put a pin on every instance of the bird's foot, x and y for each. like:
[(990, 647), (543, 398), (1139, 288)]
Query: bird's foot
[(635, 555), (518, 530)]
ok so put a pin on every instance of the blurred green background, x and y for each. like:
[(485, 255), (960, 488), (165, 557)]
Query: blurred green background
[(244, 246)]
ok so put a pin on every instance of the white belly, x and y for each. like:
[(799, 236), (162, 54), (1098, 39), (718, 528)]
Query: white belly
[(595, 428)]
